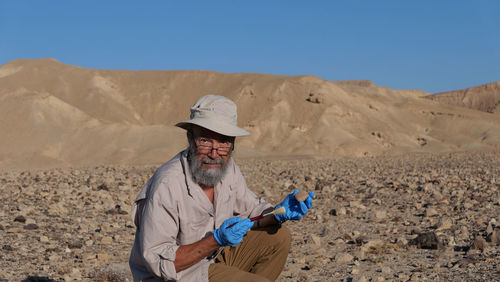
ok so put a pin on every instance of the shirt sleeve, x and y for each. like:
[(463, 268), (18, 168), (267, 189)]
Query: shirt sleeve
[(159, 226), (247, 204)]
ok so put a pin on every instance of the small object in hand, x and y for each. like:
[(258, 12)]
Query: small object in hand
[(277, 211), (301, 196)]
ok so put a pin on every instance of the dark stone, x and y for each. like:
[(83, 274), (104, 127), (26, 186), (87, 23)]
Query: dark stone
[(7, 248), (75, 245), (427, 240), (20, 218), (318, 187), (116, 210), (361, 240), (102, 187), (37, 278), (31, 226), (461, 248), (333, 212)]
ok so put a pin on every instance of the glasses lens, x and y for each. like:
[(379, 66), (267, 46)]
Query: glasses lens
[(223, 151), (206, 146)]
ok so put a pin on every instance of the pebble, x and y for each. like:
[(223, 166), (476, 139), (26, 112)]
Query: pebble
[(445, 223), (430, 212), (14, 230), (44, 239), (316, 239), (31, 226), (380, 215), (479, 243), (403, 277), (103, 257), (107, 240), (53, 257), (427, 240), (443, 202), (344, 258), (20, 218), (30, 221), (362, 278), (341, 211), (401, 242), (75, 274), (75, 245), (489, 229), (495, 237), (88, 256)]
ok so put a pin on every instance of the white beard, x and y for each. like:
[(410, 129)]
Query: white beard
[(205, 176)]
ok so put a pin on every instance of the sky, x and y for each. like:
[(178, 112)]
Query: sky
[(434, 46)]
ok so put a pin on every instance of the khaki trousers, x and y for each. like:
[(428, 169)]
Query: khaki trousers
[(261, 256)]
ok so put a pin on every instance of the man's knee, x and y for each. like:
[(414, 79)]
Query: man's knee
[(278, 236), (284, 236)]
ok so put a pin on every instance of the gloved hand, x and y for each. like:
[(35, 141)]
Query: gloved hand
[(233, 235), (294, 209)]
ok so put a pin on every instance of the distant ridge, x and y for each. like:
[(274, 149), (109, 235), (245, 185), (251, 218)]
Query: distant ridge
[(484, 97), (53, 114)]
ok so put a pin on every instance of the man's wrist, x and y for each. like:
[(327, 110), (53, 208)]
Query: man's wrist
[(217, 239)]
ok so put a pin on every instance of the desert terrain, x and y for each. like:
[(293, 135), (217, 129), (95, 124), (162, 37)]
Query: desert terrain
[(74, 224), (406, 184)]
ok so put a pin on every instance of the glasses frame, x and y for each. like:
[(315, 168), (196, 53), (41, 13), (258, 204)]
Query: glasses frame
[(222, 150)]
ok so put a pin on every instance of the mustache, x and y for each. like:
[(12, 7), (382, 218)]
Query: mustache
[(206, 160)]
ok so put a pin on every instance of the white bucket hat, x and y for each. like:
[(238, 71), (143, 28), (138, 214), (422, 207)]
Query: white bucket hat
[(215, 113)]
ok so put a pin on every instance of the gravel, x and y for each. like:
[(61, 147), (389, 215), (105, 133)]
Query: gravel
[(367, 216)]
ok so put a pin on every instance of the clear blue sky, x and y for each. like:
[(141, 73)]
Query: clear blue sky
[(429, 45)]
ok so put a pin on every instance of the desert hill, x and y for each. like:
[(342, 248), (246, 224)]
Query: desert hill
[(484, 97), (53, 114)]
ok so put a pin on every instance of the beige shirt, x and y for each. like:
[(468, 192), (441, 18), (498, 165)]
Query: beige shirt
[(171, 210)]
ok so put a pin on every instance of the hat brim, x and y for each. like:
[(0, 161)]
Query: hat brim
[(215, 126)]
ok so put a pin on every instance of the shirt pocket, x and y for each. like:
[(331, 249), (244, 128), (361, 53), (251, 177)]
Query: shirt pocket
[(196, 229)]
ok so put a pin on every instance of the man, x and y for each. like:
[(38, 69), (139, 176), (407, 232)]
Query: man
[(192, 216)]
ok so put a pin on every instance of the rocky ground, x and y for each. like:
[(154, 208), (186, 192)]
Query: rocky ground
[(414, 217)]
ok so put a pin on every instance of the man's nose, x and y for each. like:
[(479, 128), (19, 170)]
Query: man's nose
[(213, 152)]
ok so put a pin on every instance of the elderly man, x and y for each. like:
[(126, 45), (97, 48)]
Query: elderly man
[(192, 216)]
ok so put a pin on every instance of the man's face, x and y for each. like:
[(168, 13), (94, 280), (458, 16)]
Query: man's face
[(209, 153)]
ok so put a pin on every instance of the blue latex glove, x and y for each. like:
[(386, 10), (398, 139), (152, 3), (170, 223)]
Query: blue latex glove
[(294, 209), (233, 235)]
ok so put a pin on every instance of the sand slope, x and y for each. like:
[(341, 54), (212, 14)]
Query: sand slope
[(52, 114)]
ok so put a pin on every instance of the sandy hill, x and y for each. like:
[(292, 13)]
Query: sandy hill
[(53, 114), (485, 97)]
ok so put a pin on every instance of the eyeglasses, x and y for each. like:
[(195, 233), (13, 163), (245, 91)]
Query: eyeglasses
[(206, 145)]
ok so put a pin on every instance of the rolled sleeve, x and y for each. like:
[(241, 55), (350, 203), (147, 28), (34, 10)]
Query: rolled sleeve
[(159, 227)]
